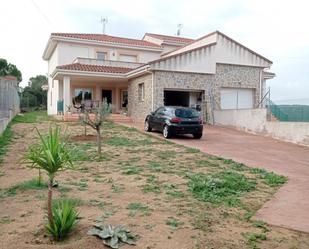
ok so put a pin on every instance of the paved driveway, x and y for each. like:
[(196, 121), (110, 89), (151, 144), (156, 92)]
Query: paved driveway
[(290, 206)]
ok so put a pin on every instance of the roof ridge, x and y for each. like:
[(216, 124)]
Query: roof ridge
[(174, 36)]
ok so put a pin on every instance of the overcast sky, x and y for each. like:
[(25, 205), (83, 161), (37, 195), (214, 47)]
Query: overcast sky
[(276, 29)]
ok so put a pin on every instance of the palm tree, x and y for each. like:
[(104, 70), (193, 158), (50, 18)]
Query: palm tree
[(51, 155)]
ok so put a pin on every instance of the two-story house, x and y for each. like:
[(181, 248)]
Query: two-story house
[(212, 72)]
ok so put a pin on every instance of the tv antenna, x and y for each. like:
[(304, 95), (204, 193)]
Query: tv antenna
[(104, 21), (179, 28)]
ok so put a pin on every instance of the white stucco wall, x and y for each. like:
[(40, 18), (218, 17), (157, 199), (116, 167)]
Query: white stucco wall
[(254, 121)]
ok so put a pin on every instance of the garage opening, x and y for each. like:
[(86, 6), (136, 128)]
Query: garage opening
[(176, 98), (183, 98)]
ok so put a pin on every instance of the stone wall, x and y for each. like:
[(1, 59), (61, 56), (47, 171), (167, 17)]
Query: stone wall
[(137, 109), (226, 76)]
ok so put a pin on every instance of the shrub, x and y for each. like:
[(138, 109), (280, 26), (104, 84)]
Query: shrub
[(65, 218)]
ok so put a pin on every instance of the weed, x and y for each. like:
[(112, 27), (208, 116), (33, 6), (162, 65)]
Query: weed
[(135, 207), (222, 187), (5, 220), (262, 225), (253, 238), (151, 188), (248, 215), (174, 223), (272, 179), (175, 193), (117, 188), (132, 170), (155, 166), (202, 222)]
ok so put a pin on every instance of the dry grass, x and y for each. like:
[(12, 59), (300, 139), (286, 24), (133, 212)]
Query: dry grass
[(152, 186)]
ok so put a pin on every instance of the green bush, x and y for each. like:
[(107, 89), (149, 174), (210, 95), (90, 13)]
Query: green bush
[(65, 218)]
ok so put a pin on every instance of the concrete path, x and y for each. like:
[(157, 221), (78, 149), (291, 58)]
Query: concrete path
[(290, 206)]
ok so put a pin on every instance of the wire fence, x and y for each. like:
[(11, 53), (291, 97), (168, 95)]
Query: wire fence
[(288, 112)]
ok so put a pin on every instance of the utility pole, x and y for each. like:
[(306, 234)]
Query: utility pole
[(104, 21)]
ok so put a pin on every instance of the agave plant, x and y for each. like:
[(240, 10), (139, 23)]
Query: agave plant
[(65, 218), (51, 155), (113, 236)]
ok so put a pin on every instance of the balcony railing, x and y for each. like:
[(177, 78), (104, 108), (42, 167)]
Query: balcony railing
[(109, 63)]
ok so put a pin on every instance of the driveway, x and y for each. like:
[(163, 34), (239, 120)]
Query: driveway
[(290, 205)]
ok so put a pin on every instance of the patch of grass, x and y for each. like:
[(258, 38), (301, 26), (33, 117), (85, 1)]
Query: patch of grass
[(31, 117), (31, 184), (192, 150), (155, 166), (132, 170), (206, 163), (262, 225), (135, 207), (203, 221), (270, 178), (117, 188), (5, 139), (175, 193), (152, 179), (167, 154), (222, 187), (151, 188), (248, 215), (5, 220), (273, 180), (174, 223), (123, 141), (253, 238)]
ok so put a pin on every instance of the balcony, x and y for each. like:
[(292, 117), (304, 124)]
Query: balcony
[(109, 63)]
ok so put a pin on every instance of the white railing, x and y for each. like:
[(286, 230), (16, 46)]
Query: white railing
[(109, 63)]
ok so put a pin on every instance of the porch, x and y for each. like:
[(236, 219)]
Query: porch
[(76, 93)]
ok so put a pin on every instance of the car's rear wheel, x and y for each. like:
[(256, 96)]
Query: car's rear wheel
[(197, 135), (166, 132), (147, 126)]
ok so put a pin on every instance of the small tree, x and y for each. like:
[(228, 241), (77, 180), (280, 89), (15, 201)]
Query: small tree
[(52, 156), (96, 121)]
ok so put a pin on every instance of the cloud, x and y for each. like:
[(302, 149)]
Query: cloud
[(276, 29)]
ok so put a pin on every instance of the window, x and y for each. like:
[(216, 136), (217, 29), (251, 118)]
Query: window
[(141, 92), (82, 94), (128, 58), (101, 56)]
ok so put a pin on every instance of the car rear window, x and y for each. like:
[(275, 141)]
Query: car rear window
[(186, 113)]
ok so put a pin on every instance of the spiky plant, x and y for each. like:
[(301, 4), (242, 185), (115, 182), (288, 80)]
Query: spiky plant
[(65, 218), (51, 156)]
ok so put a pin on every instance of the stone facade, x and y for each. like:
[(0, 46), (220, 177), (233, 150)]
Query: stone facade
[(137, 109), (232, 76)]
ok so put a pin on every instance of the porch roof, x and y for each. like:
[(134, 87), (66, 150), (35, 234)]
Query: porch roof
[(94, 68)]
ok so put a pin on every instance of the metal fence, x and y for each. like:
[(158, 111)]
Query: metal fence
[(288, 112), (9, 97)]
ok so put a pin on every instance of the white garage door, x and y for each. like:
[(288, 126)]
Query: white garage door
[(236, 98)]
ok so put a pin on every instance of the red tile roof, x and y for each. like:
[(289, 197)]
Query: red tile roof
[(107, 38), (94, 68), (171, 38)]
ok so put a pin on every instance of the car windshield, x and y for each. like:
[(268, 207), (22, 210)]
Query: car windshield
[(186, 113)]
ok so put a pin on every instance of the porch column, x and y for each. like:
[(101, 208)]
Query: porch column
[(66, 93), (98, 93)]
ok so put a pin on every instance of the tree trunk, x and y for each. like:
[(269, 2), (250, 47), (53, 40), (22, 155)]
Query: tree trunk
[(99, 140), (85, 129), (49, 202)]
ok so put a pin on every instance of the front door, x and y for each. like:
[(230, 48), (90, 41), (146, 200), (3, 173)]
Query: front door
[(107, 94)]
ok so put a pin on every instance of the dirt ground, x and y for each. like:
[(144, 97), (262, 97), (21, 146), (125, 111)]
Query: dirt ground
[(134, 168)]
